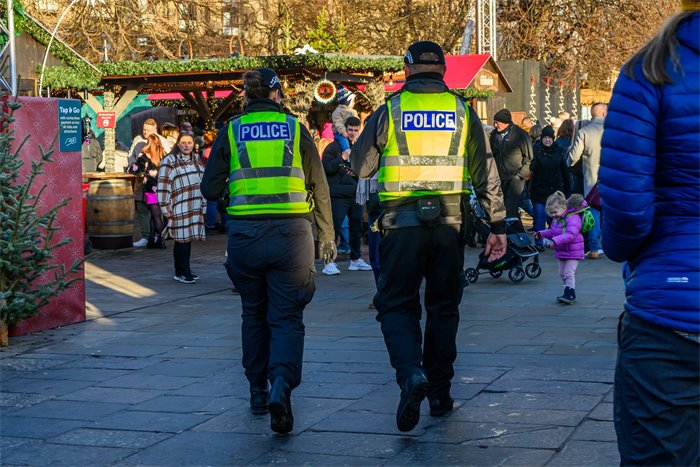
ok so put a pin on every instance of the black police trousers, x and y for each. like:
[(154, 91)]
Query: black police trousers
[(271, 263), (408, 255)]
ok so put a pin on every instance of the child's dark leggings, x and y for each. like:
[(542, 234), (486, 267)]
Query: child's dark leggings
[(181, 254), (157, 224)]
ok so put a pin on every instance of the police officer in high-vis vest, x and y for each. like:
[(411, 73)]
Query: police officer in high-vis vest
[(269, 165), (429, 149)]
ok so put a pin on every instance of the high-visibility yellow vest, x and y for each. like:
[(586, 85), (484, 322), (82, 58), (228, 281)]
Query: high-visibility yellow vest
[(266, 175), (425, 154)]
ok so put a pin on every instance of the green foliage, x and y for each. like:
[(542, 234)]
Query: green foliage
[(329, 35), (61, 78), (28, 280), (473, 92)]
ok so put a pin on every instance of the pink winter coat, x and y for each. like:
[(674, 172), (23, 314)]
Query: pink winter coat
[(568, 243)]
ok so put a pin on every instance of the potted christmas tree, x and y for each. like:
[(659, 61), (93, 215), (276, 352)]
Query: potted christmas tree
[(28, 277)]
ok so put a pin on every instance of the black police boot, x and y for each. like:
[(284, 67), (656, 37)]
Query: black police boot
[(258, 400), (569, 296), (441, 405), (280, 406), (412, 394)]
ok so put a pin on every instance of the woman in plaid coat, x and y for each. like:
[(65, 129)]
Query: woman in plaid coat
[(182, 203)]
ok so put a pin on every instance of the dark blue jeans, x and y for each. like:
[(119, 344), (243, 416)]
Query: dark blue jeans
[(657, 396), (539, 220)]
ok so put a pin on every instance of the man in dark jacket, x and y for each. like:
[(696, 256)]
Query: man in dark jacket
[(342, 182), (512, 150), (425, 144)]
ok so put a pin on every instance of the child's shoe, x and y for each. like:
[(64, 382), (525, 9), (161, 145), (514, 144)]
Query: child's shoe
[(569, 296)]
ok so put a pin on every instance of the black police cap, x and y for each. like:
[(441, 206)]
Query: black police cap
[(419, 49), (270, 78)]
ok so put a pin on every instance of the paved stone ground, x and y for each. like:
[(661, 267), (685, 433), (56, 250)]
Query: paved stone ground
[(154, 376)]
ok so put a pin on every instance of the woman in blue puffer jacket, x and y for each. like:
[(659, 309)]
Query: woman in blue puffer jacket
[(650, 186)]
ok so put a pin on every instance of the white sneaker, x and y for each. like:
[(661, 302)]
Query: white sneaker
[(359, 265), (331, 269), (140, 243)]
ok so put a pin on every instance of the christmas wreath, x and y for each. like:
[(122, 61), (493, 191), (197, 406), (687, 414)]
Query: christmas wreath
[(324, 91)]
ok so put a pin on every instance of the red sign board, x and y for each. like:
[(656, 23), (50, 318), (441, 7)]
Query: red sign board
[(106, 120)]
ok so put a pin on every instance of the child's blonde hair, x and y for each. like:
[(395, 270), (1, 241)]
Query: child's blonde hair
[(556, 199), (575, 201)]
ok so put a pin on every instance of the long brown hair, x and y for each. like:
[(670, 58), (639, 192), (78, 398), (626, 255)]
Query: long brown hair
[(656, 53), (154, 149)]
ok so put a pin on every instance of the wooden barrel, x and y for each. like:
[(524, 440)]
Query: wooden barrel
[(110, 213)]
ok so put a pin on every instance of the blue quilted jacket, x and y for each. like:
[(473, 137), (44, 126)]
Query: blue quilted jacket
[(650, 186)]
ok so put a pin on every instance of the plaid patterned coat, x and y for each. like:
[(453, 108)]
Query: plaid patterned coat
[(179, 197)]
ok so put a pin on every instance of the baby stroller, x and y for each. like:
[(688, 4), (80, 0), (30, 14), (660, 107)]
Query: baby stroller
[(520, 249)]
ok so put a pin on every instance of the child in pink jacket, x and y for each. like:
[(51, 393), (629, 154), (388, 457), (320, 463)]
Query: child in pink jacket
[(566, 239)]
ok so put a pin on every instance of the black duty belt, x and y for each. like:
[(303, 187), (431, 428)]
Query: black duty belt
[(401, 219)]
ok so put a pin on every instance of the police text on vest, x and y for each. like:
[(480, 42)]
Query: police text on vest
[(263, 131), (431, 120)]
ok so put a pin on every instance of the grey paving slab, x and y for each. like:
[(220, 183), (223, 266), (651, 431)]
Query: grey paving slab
[(199, 448), (596, 430), (550, 386), (163, 422), (84, 374), (144, 380), (282, 457), (308, 412), (500, 434), (367, 422), (47, 387), (42, 454), (19, 400), (602, 412), (115, 395), (532, 377), (28, 364), (348, 444), (109, 438), (534, 401), (24, 427), (188, 404), (495, 415), (586, 453), (424, 454), (70, 410)]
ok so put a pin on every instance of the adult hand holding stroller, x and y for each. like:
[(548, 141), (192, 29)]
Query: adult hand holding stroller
[(495, 246), (537, 235)]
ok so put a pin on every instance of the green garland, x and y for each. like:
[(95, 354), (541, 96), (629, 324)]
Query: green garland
[(473, 92), (57, 78)]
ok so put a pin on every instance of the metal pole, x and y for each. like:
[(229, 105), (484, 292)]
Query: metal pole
[(11, 39), (48, 47)]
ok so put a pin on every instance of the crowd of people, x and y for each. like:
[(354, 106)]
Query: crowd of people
[(275, 188)]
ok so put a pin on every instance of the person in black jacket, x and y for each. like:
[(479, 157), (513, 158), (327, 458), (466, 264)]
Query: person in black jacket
[(549, 174), (342, 182), (512, 151)]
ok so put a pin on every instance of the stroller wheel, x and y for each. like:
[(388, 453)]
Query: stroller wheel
[(472, 275), (516, 274), (496, 274), (533, 270)]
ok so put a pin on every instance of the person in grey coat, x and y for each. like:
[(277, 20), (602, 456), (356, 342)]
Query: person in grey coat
[(587, 148)]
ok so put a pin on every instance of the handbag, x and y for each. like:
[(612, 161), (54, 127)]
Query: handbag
[(593, 197)]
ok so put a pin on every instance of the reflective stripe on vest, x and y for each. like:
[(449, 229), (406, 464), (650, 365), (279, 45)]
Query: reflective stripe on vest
[(266, 175), (425, 152)]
